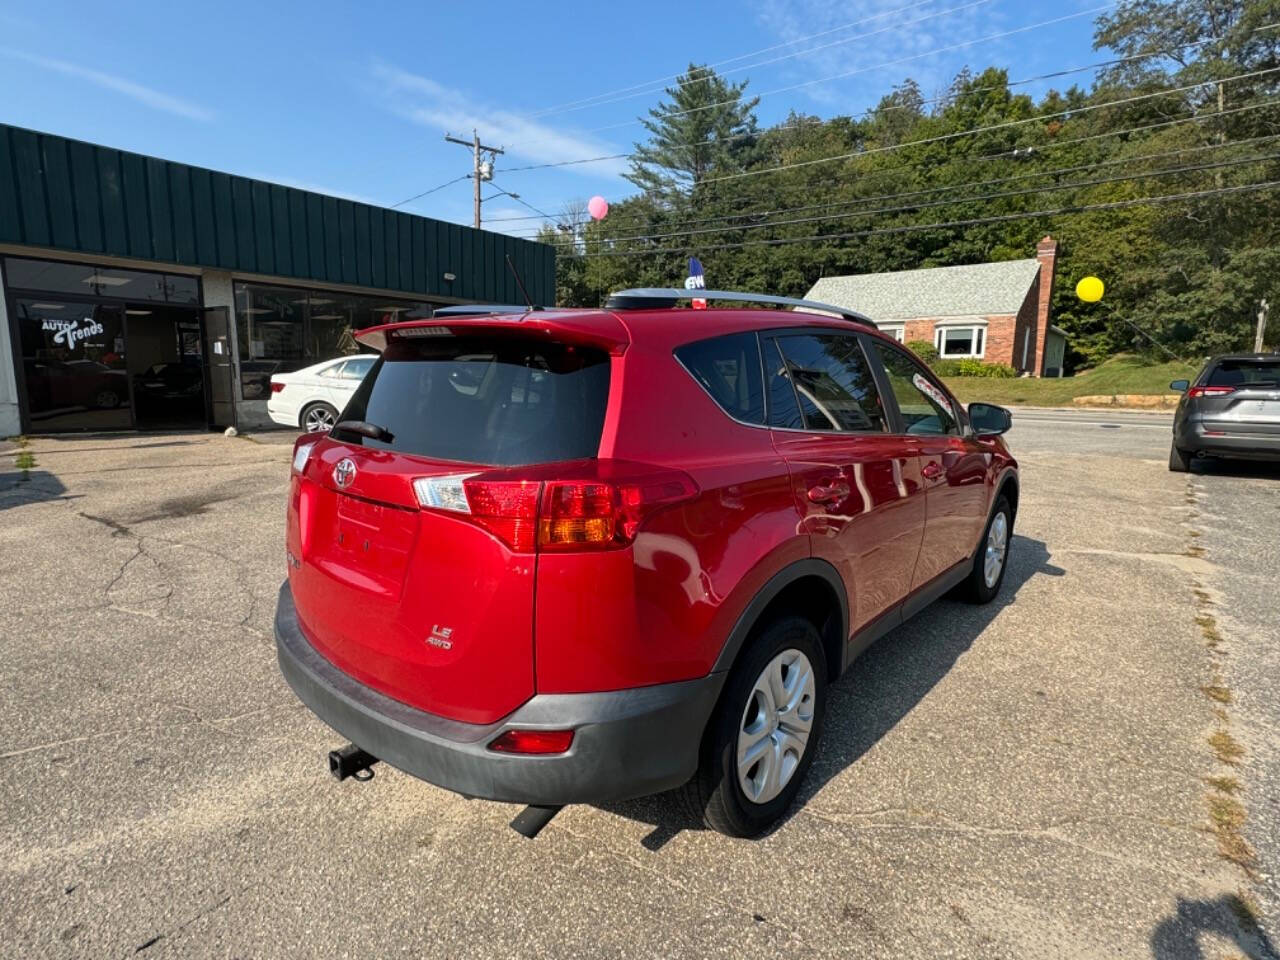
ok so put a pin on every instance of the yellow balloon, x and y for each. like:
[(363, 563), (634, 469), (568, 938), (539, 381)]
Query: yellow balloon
[(1089, 289)]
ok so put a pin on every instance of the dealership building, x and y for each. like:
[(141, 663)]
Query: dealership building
[(139, 293)]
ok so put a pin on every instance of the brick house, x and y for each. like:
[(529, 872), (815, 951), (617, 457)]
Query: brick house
[(997, 312)]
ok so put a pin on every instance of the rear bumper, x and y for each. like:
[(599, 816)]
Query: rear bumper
[(1231, 442), (627, 743)]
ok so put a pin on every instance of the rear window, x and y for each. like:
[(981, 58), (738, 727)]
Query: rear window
[(1237, 373), (502, 401)]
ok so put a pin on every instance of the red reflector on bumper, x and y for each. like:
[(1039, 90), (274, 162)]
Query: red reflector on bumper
[(533, 741)]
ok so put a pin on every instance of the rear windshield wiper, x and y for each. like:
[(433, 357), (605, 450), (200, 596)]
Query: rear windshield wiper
[(366, 429)]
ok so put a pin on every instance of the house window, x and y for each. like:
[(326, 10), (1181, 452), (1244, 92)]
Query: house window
[(961, 341), (892, 331)]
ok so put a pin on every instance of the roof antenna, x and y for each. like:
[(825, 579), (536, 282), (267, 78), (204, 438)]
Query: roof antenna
[(520, 283)]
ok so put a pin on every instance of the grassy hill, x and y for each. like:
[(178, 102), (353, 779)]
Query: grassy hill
[(1121, 374)]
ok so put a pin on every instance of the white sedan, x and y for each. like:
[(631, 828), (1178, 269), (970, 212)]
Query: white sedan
[(312, 397)]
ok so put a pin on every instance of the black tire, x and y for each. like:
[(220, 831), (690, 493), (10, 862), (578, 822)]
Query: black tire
[(715, 795), (313, 413), (106, 399), (976, 589), (1179, 460)]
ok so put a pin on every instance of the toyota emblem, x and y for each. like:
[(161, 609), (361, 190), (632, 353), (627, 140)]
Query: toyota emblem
[(344, 473)]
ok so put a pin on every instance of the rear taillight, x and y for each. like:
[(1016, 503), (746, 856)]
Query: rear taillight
[(1210, 391), (506, 508), (556, 514), (276, 386), (533, 741)]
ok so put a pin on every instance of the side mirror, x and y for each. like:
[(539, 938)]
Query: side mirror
[(988, 420), (1180, 385)]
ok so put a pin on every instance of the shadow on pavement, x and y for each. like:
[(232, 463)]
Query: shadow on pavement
[(18, 487), (881, 687), (1213, 467), (1177, 937)]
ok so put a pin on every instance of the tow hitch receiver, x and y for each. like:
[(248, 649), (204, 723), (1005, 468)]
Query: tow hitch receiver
[(351, 761), (530, 821)]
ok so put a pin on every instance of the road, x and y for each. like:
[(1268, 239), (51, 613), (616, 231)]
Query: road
[(1026, 779)]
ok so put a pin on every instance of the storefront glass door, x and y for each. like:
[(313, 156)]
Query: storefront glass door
[(74, 365)]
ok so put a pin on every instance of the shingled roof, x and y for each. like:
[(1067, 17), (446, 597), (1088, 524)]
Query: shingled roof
[(980, 289)]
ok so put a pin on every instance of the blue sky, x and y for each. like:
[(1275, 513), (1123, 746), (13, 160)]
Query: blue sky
[(354, 99)]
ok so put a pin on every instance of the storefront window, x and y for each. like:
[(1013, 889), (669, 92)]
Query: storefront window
[(280, 329), (83, 279), (74, 365)]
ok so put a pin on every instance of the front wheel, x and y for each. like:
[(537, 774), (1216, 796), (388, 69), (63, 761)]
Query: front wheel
[(764, 733)]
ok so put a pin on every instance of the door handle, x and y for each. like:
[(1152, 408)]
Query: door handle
[(826, 492), (932, 470)]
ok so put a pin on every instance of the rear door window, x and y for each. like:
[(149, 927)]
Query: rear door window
[(500, 401), (833, 383), (357, 367), (728, 368)]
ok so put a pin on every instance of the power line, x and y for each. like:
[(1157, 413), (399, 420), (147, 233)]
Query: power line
[(1052, 75), (419, 196), (1004, 125), (970, 222), (605, 99), (518, 199), (564, 107), (950, 201), (1143, 128), (1051, 172), (877, 66)]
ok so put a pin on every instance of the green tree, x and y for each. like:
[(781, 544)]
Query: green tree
[(703, 124)]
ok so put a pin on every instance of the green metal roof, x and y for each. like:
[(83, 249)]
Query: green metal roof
[(82, 198)]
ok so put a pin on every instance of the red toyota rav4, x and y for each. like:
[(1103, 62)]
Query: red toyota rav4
[(562, 556)]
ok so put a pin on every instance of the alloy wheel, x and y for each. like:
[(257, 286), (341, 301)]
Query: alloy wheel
[(318, 419), (997, 544), (775, 727)]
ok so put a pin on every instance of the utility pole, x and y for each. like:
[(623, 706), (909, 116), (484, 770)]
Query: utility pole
[(1263, 309), (481, 169)]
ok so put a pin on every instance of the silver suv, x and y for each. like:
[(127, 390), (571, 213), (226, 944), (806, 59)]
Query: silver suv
[(1230, 410)]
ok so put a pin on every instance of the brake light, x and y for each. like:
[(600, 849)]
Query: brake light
[(276, 386), (506, 508), (557, 514), (1210, 391), (533, 741)]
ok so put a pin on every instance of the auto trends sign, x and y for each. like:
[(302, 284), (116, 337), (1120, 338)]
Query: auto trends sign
[(70, 332)]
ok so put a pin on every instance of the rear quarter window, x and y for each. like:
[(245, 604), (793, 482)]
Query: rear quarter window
[(500, 401), (728, 368)]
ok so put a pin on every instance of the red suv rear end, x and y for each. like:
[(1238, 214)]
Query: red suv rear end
[(579, 556)]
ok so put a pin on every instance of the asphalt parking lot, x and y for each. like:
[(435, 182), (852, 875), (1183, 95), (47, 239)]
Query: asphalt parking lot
[(1030, 779)]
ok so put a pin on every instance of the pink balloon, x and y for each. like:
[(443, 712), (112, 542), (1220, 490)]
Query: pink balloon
[(598, 207)]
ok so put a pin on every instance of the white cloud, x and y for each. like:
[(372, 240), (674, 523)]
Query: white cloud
[(886, 32), (135, 91), (431, 104)]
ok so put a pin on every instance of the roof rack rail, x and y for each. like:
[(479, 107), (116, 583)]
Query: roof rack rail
[(480, 309), (654, 298)]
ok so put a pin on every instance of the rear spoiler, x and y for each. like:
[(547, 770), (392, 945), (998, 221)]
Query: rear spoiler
[(595, 328)]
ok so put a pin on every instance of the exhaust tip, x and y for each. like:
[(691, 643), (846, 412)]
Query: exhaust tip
[(530, 821)]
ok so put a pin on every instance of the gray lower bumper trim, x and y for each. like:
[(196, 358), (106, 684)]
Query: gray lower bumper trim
[(627, 743)]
